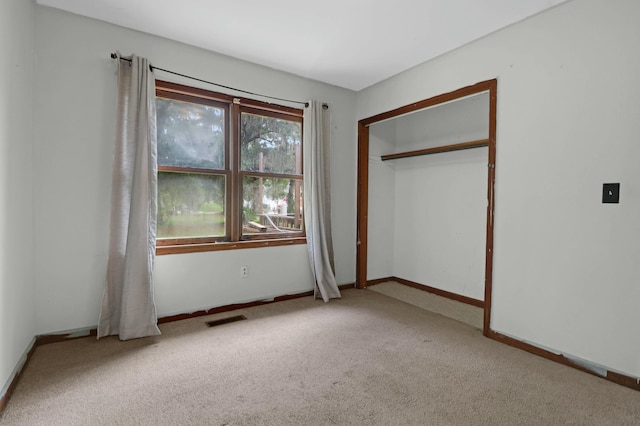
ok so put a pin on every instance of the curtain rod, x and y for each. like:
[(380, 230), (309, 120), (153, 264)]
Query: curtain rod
[(152, 67)]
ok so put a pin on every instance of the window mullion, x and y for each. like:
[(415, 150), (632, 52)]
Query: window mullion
[(235, 185)]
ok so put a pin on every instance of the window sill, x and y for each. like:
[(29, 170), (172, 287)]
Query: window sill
[(196, 248)]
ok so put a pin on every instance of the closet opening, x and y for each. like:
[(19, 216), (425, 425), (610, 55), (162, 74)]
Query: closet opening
[(426, 176)]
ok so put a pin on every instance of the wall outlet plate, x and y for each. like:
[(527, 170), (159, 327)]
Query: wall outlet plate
[(611, 193)]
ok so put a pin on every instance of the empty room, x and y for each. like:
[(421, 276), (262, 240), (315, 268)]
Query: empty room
[(410, 212)]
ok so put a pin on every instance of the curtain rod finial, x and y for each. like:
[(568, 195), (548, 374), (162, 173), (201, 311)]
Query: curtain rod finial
[(114, 56)]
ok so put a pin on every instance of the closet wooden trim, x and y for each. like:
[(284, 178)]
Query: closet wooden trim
[(491, 197), (362, 207), (474, 89), (490, 86), (438, 149)]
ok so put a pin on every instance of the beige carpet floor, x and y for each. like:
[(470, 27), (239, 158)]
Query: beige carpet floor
[(468, 314), (362, 360)]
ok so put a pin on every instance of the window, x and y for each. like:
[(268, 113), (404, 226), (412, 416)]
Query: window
[(229, 171)]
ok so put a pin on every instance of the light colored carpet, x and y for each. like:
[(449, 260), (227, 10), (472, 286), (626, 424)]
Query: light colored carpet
[(459, 311), (361, 360)]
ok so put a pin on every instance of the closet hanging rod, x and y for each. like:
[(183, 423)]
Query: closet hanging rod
[(438, 149)]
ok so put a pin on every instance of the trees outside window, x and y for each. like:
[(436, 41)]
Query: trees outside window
[(229, 171)]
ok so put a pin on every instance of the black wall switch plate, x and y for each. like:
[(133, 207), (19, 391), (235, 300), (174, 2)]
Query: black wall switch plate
[(611, 193)]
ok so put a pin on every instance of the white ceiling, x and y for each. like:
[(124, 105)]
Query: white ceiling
[(347, 43)]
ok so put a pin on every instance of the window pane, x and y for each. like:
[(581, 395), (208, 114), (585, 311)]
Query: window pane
[(190, 205), (271, 205), (190, 135), (270, 145)]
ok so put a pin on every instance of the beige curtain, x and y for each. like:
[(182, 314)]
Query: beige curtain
[(317, 199), (128, 307)]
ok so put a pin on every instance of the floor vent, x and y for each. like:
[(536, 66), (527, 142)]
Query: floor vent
[(226, 320)]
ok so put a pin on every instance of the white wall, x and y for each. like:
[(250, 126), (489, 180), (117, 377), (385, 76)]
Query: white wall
[(441, 219), (382, 200), (566, 267), (76, 88), (17, 324), (462, 120)]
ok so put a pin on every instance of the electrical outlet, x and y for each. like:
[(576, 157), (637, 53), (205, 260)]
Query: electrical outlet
[(244, 272)]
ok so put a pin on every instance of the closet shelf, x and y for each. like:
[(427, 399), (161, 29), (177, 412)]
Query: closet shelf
[(444, 148)]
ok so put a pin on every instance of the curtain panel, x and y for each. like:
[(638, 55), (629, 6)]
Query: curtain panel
[(128, 306), (317, 199)]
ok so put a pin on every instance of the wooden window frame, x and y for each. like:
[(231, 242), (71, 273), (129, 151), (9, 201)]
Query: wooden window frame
[(234, 107)]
